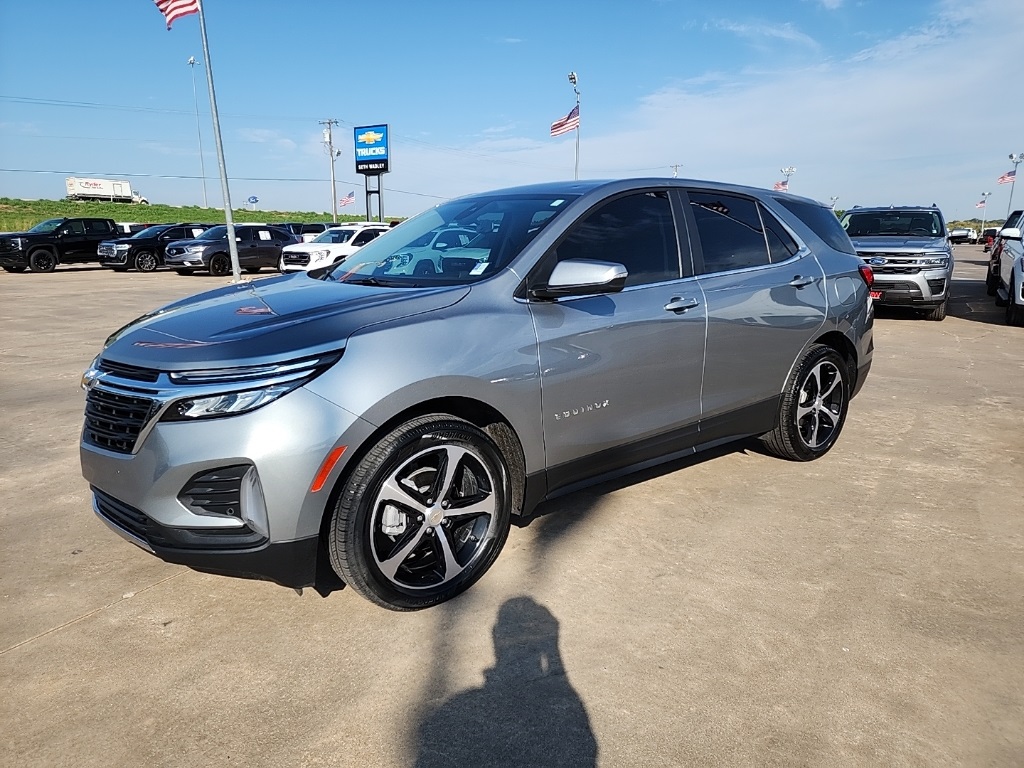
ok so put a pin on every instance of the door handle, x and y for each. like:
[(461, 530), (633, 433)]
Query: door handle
[(679, 305), (799, 281)]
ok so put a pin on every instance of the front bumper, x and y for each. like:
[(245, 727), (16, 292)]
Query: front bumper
[(925, 289), (13, 259), (116, 259), (149, 496)]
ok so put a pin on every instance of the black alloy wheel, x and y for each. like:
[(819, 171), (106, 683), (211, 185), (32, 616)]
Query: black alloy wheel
[(220, 265), (42, 260)]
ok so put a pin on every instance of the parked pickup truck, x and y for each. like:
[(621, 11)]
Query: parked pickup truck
[(53, 242)]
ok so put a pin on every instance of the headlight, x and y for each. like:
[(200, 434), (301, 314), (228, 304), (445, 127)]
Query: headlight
[(227, 404), (247, 387), (934, 261), (194, 249), (319, 254), (17, 242)]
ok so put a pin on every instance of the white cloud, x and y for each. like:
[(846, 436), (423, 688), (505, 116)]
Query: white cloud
[(761, 32), (267, 136)]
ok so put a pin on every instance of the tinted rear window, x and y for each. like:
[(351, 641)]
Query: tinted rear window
[(821, 221)]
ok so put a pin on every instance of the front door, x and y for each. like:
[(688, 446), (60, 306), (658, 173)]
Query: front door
[(621, 373)]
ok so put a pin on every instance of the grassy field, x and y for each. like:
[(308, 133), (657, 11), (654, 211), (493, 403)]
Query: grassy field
[(19, 215)]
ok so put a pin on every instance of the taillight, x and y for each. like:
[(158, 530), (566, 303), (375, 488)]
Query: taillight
[(868, 275)]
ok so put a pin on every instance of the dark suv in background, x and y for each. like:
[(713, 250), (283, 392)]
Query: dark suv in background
[(908, 249), (259, 245), (53, 242), (145, 249)]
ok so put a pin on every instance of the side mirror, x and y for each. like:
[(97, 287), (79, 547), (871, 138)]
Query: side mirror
[(1010, 233), (582, 277)]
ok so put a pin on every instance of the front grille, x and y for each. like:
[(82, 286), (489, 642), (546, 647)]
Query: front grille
[(937, 286), (218, 492), (174, 251), (105, 250), (296, 259), (133, 372), (894, 269), (894, 285), (114, 421), (120, 514)]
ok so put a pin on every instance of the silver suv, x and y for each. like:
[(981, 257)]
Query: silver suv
[(379, 426), (910, 252)]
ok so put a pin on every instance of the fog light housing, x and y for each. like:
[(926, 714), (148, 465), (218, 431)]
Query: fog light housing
[(254, 506)]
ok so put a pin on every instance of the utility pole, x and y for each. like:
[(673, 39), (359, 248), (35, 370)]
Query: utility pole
[(332, 154), (675, 169), (199, 131)]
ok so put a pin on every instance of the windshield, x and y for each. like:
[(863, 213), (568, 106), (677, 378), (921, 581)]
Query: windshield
[(214, 233), (45, 227), (456, 243), (334, 236), (150, 232), (891, 223)]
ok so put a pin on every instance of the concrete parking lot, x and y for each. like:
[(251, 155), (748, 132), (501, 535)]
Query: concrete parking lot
[(864, 609)]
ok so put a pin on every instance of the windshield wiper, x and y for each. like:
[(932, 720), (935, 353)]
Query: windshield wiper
[(370, 280)]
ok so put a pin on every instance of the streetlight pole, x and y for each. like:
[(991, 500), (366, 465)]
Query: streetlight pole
[(332, 154), (199, 131), (984, 210), (834, 199), (788, 171), (572, 80), (1016, 160)]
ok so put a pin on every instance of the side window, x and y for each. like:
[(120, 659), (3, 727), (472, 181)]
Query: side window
[(75, 227), (781, 245), (730, 231), (365, 236), (263, 235), (246, 235), (96, 227), (178, 233), (636, 231)]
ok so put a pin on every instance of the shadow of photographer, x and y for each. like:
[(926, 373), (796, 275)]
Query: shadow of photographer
[(526, 713)]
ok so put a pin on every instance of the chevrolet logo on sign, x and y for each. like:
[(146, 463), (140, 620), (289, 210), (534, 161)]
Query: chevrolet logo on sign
[(369, 137)]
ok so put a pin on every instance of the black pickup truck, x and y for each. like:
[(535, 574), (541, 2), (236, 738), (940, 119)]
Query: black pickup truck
[(53, 242)]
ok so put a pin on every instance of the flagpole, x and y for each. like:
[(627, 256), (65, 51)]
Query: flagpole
[(572, 79), (236, 272)]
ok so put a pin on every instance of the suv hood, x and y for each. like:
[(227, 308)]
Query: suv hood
[(900, 242), (191, 243), (265, 321), (310, 247)]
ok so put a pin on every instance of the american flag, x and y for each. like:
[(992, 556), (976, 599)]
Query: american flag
[(980, 204), (1008, 177), (781, 186), (348, 199), (570, 122), (175, 9)]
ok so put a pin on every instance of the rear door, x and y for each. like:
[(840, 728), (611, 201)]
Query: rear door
[(75, 245), (765, 296), (621, 373)]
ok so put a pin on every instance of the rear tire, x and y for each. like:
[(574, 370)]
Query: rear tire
[(19, 268), (423, 515), (252, 270), (813, 407), (220, 265), (991, 284), (42, 260)]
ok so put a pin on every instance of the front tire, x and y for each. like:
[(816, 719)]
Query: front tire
[(813, 407), (991, 284), (220, 265), (937, 313), (252, 270), (423, 515), (184, 271), (19, 268), (146, 261), (42, 261), (1014, 311)]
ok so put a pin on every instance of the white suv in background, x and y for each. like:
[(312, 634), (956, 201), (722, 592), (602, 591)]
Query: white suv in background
[(330, 247), (1010, 288)]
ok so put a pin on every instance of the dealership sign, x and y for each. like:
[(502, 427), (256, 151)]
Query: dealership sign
[(372, 149)]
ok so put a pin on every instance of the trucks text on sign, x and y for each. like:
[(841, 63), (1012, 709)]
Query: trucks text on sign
[(371, 144)]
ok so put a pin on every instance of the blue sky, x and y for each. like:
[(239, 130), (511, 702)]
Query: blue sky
[(873, 101)]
